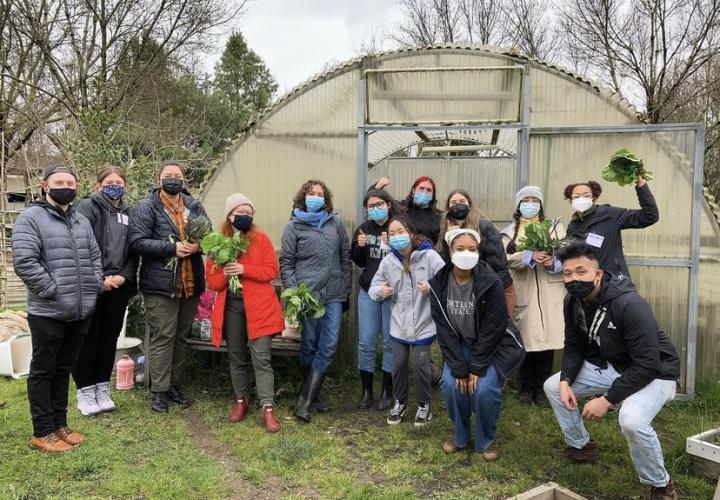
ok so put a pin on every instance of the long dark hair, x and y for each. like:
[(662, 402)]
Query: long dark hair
[(472, 221), (299, 198), (416, 239), (394, 207)]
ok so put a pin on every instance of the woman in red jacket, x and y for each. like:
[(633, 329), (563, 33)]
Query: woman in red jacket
[(247, 319)]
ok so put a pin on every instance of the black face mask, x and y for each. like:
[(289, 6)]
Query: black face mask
[(459, 211), (580, 289), (242, 222), (62, 196), (171, 185)]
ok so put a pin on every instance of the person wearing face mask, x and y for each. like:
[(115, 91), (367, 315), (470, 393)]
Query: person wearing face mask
[(110, 216), (539, 293), (600, 226), (57, 258), (249, 318), (402, 280), (420, 205), (316, 251), (369, 246), (614, 348), (171, 293), (480, 345)]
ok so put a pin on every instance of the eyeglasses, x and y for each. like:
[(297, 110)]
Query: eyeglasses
[(377, 205)]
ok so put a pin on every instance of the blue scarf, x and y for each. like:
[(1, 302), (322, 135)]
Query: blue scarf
[(426, 245), (314, 218)]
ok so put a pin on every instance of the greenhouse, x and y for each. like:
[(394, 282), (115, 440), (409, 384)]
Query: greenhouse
[(489, 121)]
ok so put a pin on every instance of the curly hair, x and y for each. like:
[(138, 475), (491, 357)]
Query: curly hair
[(299, 198), (410, 197), (595, 189)]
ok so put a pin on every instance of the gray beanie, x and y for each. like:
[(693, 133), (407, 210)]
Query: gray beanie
[(235, 200), (533, 191)]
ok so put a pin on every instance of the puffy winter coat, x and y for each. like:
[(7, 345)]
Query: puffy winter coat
[(55, 254)]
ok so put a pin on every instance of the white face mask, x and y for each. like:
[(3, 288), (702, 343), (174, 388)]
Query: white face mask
[(465, 260), (582, 204)]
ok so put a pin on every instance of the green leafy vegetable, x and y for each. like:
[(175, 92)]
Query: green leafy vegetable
[(224, 250), (624, 168), (301, 304), (195, 229), (537, 238)]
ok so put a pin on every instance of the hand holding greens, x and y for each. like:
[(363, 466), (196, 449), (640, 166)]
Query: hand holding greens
[(624, 168), (223, 250)]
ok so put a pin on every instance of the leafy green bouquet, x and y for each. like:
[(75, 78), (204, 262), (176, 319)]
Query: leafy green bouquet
[(537, 238), (195, 230), (624, 168), (224, 250), (301, 304)]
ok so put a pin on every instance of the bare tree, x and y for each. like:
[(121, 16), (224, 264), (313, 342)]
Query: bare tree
[(529, 27), (484, 21)]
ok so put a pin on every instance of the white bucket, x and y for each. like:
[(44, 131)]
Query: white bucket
[(15, 355)]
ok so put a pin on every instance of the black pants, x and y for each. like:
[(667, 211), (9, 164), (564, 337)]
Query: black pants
[(535, 370), (55, 348), (97, 355)]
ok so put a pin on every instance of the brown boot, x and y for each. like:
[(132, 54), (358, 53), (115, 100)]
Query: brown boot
[(70, 437), (50, 444), (492, 453), (666, 493), (586, 455), (239, 410), (449, 446), (271, 423)]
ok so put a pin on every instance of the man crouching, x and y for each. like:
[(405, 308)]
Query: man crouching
[(613, 348)]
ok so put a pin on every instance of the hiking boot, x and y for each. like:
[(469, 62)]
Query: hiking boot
[(589, 454), (50, 444), (174, 395), (271, 423), (239, 410), (102, 396), (386, 399), (397, 413), (70, 437), (450, 446), (159, 402), (86, 402), (526, 397), (366, 400), (423, 415), (666, 493), (491, 453)]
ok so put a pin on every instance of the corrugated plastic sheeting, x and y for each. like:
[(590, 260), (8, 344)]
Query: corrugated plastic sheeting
[(558, 160), (708, 345), (490, 181), (272, 169), (412, 97)]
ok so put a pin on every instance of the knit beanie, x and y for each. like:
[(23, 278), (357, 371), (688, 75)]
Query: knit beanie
[(527, 191), (235, 200)]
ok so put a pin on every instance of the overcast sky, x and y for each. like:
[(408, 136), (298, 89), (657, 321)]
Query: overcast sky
[(297, 38)]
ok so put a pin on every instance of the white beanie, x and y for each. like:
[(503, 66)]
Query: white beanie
[(235, 200), (454, 233), (527, 191)]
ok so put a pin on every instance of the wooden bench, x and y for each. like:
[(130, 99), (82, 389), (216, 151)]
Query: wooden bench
[(279, 345)]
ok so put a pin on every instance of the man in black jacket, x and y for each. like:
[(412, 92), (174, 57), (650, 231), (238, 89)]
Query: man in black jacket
[(613, 348)]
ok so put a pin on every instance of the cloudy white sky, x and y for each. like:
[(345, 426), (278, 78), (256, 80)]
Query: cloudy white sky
[(297, 38)]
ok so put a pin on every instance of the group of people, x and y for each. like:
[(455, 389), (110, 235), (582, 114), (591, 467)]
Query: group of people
[(425, 273)]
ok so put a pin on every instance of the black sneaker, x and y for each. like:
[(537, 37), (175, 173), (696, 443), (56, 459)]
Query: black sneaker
[(397, 413), (423, 415), (175, 396)]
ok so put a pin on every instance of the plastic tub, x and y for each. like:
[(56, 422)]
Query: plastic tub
[(15, 355)]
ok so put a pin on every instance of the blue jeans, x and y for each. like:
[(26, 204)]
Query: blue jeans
[(636, 414), (485, 402), (373, 317), (319, 338)]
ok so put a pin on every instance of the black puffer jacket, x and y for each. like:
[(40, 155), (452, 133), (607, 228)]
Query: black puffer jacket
[(55, 254), (629, 339), (150, 233)]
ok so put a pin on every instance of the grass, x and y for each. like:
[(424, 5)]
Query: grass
[(348, 453)]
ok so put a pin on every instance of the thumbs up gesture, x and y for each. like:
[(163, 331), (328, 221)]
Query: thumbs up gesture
[(362, 239), (386, 290), (384, 238)]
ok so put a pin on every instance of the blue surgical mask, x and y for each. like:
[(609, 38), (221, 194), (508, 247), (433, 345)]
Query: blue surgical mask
[(314, 203), (400, 241), (377, 214), (113, 191), (529, 209), (422, 199)]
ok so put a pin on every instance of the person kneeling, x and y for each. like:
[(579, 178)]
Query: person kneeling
[(613, 348)]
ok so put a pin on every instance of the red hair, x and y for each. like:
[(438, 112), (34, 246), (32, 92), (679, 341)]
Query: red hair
[(424, 178)]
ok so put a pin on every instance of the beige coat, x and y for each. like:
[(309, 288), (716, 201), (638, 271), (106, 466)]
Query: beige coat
[(539, 295)]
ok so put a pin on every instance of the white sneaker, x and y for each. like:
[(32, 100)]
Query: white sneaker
[(102, 396), (86, 402)]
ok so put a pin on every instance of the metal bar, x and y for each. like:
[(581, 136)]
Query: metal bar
[(436, 127), (410, 95), (450, 122), (362, 153), (693, 300), (454, 149), (523, 145), (448, 68), (612, 129), (641, 261)]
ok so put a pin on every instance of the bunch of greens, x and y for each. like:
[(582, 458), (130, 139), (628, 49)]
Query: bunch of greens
[(195, 230), (624, 168), (537, 238), (224, 250), (301, 304)]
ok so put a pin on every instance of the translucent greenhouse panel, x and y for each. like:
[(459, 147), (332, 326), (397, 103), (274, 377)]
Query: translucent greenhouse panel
[(669, 303), (490, 181), (708, 348), (558, 160), (444, 95)]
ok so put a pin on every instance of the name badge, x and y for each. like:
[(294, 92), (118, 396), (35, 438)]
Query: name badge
[(595, 240), (122, 219)]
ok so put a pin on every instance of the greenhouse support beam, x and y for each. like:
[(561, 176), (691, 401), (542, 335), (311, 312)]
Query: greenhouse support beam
[(523, 142), (362, 154)]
